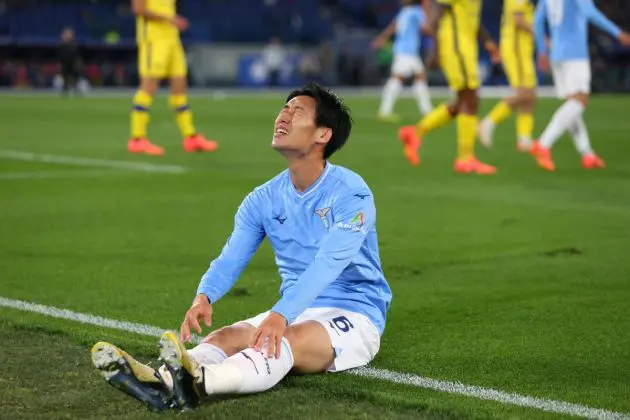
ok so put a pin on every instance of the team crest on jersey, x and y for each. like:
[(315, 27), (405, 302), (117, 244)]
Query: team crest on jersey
[(323, 216)]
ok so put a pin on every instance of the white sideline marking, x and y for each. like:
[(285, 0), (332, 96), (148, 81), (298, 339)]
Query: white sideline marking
[(54, 174), (84, 161), (544, 404)]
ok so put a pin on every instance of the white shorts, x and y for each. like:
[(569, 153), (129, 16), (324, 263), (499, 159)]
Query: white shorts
[(571, 77), (354, 338), (407, 65)]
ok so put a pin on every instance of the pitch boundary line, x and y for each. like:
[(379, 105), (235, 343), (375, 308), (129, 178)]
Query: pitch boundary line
[(91, 162), (45, 175), (451, 387)]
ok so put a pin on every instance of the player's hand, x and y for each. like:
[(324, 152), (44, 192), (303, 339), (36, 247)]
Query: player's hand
[(433, 61), (200, 308), (180, 23), (543, 62), (377, 43), (493, 50), (624, 38), (271, 331)]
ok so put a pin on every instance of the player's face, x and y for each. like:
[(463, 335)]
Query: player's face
[(294, 130)]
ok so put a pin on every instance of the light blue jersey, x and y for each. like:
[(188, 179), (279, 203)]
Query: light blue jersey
[(324, 240), (568, 26), (408, 23)]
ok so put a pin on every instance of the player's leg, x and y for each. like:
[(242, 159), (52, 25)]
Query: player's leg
[(581, 140), (178, 100), (151, 68), (467, 120), (411, 136), (525, 118), (572, 81), (321, 339), (503, 109), (421, 88), (128, 375), (400, 69)]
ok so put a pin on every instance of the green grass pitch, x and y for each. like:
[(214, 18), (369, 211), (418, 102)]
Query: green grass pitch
[(518, 282)]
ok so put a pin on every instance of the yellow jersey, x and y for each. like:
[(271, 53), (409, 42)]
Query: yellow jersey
[(509, 32), (148, 30), (464, 17)]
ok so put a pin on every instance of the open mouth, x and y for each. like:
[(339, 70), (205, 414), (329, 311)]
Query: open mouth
[(280, 131)]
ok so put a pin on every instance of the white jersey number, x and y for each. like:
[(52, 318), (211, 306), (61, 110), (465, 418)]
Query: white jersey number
[(555, 11)]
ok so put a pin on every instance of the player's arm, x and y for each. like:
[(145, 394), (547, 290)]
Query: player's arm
[(598, 19), (540, 17), (246, 236), (240, 247), (488, 43), (386, 34), (354, 218)]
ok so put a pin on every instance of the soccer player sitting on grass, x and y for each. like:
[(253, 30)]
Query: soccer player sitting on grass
[(320, 221)]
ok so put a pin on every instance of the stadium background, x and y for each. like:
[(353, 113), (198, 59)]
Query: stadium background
[(326, 40)]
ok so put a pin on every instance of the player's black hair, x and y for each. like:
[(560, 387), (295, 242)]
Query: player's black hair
[(330, 112)]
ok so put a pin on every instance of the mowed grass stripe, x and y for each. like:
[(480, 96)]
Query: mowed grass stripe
[(552, 406)]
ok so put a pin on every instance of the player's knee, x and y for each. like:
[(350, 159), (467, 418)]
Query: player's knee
[(231, 339), (311, 347), (580, 97), (149, 85), (178, 85), (420, 77), (469, 101)]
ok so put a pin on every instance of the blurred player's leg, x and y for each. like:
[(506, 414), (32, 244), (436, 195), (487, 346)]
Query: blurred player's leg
[(572, 80), (497, 115), (582, 142), (391, 90), (151, 66), (178, 71), (467, 123), (421, 93)]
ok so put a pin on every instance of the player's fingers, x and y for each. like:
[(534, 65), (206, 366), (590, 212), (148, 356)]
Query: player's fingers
[(255, 339), (260, 340), (207, 319), (184, 334), (194, 322), (278, 345)]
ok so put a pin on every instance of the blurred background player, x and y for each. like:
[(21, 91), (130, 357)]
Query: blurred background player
[(571, 70), (69, 60), (161, 55), (458, 26), (517, 55), (407, 26)]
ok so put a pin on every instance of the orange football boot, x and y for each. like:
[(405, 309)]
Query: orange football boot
[(198, 143), (543, 157), (592, 162), (473, 166), (411, 143), (143, 145)]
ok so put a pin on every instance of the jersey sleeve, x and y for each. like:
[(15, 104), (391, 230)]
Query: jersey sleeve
[(597, 18), (354, 217), (516, 6), (241, 245), (540, 18)]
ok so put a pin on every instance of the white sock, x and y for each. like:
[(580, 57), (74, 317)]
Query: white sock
[(390, 94), (421, 93), (204, 354), (248, 371), (562, 119), (581, 140)]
